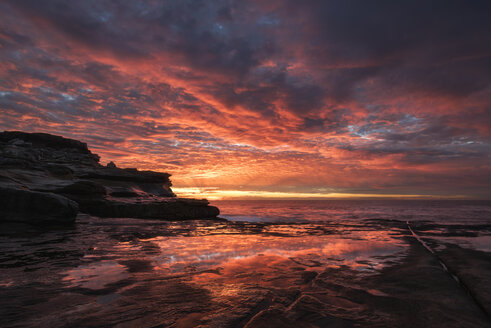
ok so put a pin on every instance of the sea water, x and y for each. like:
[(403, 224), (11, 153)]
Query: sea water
[(441, 211)]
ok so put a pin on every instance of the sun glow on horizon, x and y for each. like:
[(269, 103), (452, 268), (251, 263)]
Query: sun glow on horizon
[(214, 193)]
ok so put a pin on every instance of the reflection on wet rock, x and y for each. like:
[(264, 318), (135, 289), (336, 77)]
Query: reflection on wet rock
[(96, 275), (133, 273)]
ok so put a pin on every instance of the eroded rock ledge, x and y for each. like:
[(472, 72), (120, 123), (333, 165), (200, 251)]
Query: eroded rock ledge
[(44, 177)]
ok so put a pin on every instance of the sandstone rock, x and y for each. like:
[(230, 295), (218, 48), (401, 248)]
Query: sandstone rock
[(44, 140), (44, 163), (124, 193), (130, 175), (165, 210), (84, 188), (61, 171), (35, 207)]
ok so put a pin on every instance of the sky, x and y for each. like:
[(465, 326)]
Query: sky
[(272, 98)]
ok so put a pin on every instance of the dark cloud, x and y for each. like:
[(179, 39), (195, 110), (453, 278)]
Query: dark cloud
[(420, 46)]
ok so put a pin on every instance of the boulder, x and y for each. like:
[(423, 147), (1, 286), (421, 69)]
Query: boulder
[(111, 165)]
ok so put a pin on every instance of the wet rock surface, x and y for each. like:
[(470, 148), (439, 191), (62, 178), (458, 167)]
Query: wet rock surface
[(466, 254), (38, 166), (147, 273), (31, 206)]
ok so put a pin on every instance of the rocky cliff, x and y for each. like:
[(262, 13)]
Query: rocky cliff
[(45, 177)]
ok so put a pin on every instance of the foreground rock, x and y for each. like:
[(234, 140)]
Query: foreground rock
[(162, 209), (48, 178), (27, 206), (123, 272)]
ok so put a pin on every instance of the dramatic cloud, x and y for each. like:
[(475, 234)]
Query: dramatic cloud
[(279, 96)]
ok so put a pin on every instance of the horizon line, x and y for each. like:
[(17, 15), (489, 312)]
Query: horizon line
[(214, 193)]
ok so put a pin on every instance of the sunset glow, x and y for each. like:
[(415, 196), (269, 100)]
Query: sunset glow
[(276, 99), (218, 194)]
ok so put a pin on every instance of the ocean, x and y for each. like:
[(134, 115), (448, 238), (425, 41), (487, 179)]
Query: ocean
[(442, 211)]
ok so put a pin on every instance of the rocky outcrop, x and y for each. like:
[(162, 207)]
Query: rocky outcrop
[(183, 209), (32, 206), (38, 167), (44, 140)]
